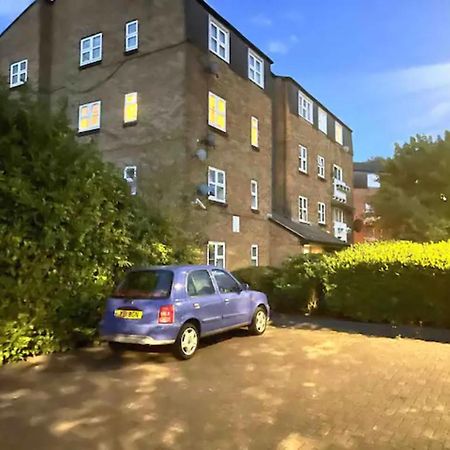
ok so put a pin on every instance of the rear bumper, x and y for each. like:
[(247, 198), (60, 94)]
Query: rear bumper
[(136, 339)]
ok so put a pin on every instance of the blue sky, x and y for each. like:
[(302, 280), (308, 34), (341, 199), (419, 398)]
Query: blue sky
[(383, 66)]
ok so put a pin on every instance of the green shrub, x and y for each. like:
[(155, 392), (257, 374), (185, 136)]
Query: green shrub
[(395, 282)]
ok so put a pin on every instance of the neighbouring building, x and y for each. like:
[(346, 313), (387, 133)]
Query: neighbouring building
[(366, 180), (190, 111)]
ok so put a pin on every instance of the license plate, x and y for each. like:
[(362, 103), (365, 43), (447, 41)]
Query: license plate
[(127, 314)]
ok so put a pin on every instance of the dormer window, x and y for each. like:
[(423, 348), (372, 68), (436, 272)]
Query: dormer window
[(256, 68), (305, 107), (219, 40)]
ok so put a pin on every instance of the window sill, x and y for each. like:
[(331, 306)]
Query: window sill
[(130, 124), (218, 203), (255, 211), (88, 132), (130, 52), (303, 172), (89, 65), (218, 130), (255, 148), (18, 86), (321, 178)]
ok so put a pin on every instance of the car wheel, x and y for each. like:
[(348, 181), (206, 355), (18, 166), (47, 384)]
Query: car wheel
[(259, 322), (116, 347), (187, 341)]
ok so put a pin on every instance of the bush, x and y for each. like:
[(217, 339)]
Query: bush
[(395, 282), (68, 227)]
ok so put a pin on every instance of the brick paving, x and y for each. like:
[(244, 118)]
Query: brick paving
[(290, 389)]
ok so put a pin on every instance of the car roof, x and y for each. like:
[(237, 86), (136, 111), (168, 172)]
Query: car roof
[(175, 268)]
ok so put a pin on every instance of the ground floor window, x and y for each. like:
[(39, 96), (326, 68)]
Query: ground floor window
[(216, 254), (254, 255)]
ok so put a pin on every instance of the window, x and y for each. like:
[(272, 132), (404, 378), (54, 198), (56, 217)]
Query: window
[(255, 132), (18, 73), (322, 215), (226, 283), (338, 173), (339, 134), (338, 215), (91, 49), (148, 284), (219, 40), (305, 107), (254, 195), (216, 254), (368, 208), (131, 36), (217, 117), (130, 176), (323, 121), (256, 69), (217, 185), (254, 255), (130, 111), (373, 181), (303, 159), (89, 117), (199, 283), (303, 209), (236, 224), (321, 166)]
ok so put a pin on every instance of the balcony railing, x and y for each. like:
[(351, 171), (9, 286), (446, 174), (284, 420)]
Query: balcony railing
[(340, 190), (341, 231)]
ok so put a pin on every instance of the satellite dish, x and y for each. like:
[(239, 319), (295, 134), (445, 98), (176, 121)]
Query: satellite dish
[(203, 189), (201, 154)]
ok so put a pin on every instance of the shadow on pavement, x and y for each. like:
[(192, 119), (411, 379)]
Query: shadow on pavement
[(368, 329)]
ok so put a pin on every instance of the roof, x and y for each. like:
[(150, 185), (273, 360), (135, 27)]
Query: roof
[(307, 233), (292, 80), (18, 17), (371, 166)]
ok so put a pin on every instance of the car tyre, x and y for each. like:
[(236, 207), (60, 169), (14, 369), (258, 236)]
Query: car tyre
[(116, 347), (259, 322), (187, 342)]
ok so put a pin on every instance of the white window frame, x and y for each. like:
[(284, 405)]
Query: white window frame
[(132, 181), (373, 181), (212, 124), (338, 215), (321, 213), (254, 255), (305, 107), (302, 159), (129, 35), (338, 173), (339, 133), (91, 107), (254, 124), (321, 166), (211, 39), (254, 195), (216, 258), (236, 224), (253, 61), (215, 184), (19, 74), (303, 209), (90, 49), (323, 121)]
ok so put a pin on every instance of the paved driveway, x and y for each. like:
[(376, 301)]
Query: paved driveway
[(290, 389)]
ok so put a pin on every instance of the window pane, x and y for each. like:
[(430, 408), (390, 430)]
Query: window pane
[(132, 27), (151, 284), (15, 68), (226, 283), (199, 283), (15, 79), (97, 41), (220, 177), (132, 42), (86, 44), (96, 53), (23, 65)]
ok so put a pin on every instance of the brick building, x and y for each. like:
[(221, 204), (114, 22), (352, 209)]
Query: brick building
[(190, 111)]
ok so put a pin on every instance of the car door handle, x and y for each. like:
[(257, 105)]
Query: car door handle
[(227, 300), (196, 305)]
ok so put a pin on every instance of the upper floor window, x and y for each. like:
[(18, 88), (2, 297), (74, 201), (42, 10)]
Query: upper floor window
[(338, 215), (217, 116), (339, 134), (303, 209), (303, 159), (18, 73), (373, 181), (255, 68), (254, 255), (89, 116), (132, 36), (255, 132), (254, 195), (320, 166), (130, 176), (130, 111), (338, 173), (219, 40), (216, 254), (91, 49), (236, 224), (305, 107), (217, 185), (323, 121), (321, 210)]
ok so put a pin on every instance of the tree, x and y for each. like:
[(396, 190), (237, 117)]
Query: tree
[(68, 226), (414, 199)]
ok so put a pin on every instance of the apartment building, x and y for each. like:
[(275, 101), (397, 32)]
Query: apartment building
[(191, 113)]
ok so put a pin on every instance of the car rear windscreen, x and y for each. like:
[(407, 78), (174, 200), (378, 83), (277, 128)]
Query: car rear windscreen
[(146, 284)]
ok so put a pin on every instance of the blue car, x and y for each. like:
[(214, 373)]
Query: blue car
[(178, 305)]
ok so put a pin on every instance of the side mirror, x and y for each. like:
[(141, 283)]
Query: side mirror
[(245, 286)]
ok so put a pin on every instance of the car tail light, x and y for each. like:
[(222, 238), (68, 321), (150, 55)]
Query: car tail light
[(166, 314)]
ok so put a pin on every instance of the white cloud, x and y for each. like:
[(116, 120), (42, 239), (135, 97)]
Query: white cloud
[(12, 8), (279, 47), (262, 20)]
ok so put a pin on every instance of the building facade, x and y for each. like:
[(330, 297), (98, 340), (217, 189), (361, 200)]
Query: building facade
[(191, 113)]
